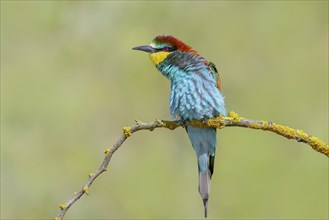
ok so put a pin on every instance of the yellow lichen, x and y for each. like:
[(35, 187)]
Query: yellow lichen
[(255, 125), (85, 189), (316, 142), (107, 151), (56, 218), (159, 121), (302, 135), (318, 145), (290, 132), (90, 174), (234, 117), (265, 125), (127, 131), (62, 206), (216, 122), (284, 130)]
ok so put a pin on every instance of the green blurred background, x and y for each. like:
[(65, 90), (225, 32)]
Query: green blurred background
[(70, 82)]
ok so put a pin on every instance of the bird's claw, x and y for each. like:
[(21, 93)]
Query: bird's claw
[(204, 121), (184, 122)]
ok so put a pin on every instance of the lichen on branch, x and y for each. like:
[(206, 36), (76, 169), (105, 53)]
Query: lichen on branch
[(299, 135), (232, 120)]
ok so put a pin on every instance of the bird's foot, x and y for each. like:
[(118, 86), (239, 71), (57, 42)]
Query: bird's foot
[(184, 122), (204, 121)]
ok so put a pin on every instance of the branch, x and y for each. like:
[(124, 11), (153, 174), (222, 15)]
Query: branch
[(233, 120)]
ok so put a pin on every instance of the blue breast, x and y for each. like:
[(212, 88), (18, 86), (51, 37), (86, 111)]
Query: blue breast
[(194, 94)]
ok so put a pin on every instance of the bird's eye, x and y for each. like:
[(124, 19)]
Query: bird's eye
[(166, 49)]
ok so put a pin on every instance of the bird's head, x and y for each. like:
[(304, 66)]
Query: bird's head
[(162, 46)]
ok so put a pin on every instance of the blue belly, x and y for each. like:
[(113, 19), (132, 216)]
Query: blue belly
[(193, 98)]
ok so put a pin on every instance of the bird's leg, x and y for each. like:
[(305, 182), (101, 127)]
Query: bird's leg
[(184, 122), (204, 120)]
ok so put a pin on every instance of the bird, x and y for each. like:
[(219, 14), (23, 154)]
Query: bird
[(195, 94)]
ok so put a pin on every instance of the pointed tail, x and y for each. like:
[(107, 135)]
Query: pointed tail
[(204, 189), (204, 144)]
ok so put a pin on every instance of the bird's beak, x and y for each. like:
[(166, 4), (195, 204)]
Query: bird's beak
[(145, 48)]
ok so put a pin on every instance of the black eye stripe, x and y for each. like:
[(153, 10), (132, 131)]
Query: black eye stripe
[(166, 49), (158, 49)]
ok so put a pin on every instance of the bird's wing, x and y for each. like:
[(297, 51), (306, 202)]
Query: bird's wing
[(214, 73)]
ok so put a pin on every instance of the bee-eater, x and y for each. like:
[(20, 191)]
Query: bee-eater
[(195, 94)]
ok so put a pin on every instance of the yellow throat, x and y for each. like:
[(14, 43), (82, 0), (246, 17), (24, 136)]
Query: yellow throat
[(157, 58)]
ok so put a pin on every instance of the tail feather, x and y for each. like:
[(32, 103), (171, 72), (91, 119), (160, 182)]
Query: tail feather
[(204, 189), (204, 144), (211, 164), (205, 204)]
